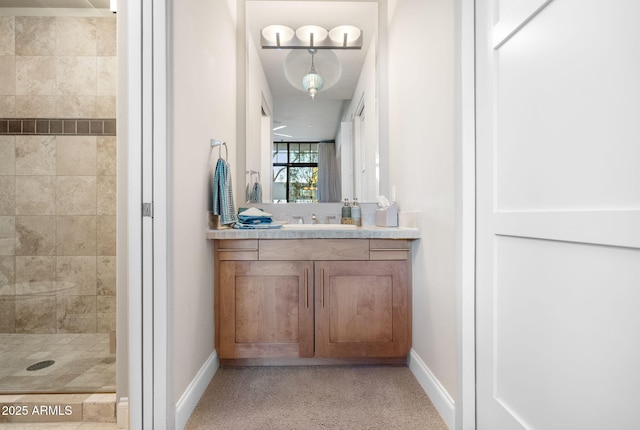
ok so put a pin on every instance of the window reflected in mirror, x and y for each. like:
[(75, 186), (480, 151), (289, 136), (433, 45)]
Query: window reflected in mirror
[(295, 172)]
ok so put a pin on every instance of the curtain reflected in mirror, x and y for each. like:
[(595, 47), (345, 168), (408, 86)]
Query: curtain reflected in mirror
[(329, 188)]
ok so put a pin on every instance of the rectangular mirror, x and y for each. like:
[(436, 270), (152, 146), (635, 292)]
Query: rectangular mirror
[(312, 145)]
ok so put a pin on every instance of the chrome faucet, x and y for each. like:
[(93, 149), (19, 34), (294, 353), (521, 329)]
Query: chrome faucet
[(329, 218), (314, 219)]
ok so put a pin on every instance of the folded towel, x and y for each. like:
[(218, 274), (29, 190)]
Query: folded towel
[(223, 193), (242, 226), (254, 212), (255, 219)]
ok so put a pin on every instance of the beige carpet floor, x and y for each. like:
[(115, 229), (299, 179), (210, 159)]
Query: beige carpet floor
[(315, 397)]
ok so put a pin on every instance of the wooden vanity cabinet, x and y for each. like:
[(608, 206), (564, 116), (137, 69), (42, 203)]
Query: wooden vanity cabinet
[(313, 298)]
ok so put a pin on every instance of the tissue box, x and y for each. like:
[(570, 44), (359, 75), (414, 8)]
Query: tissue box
[(387, 217)]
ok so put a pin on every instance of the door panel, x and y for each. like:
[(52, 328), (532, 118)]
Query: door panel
[(267, 308), (558, 245), (362, 309)]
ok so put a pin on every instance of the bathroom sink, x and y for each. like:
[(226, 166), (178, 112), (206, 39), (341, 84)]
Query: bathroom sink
[(319, 226)]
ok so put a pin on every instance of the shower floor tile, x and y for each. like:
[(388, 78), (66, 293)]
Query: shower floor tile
[(83, 363)]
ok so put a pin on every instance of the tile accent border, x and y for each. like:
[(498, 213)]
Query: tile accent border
[(58, 126)]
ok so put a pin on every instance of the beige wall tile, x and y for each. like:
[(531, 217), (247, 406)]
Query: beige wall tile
[(7, 315), (76, 195), (106, 305), (36, 314), (106, 156), (35, 106), (106, 275), (50, 221), (106, 241), (76, 155), (7, 235), (76, 276), (76, 107), (35, 235), (8, 36), (105, 107), (77, 324), (76, 76), (76, 235), (7, 195), (76, 305), (35, 35), (35, 275), (35, 195), (106, 36), (106, 195), (8, 276), (75, 36), (35, 155), (106, 323), (36, 75), (7, 106), (107, 68), (8, 73), (8, 155)]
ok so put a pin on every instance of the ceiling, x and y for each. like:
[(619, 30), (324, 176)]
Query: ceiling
[(307, 119)]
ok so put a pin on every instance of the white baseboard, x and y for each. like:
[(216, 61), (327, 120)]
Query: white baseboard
[(190, 398), (434, 389), (122, 413)]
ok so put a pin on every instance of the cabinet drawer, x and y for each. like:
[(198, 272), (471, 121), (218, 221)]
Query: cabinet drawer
[(314, 249), (389, 249), (237, 249)]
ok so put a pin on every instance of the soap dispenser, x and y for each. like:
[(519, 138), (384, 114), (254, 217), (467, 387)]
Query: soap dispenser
[(356, 214), (346, 213)]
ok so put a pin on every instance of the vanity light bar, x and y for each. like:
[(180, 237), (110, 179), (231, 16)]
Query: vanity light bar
[(311, 36)]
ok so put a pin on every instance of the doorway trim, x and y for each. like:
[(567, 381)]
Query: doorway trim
[(465, 407), (147, 136)]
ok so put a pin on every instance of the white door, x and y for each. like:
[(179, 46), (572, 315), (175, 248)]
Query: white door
[(558, 245)]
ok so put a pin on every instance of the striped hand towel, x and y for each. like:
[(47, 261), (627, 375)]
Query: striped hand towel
[(223, 193)]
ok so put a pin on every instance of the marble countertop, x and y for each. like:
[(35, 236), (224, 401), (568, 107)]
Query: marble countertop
[(364, 232)]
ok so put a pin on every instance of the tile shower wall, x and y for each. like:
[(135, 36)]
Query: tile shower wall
[(57, 174)]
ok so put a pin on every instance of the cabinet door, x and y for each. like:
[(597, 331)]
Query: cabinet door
[(266, 309), (362, 309)]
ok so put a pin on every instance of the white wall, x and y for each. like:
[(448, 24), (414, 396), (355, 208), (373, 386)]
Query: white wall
[(204, 94), (421, 167), (257, 87), (258, 153), (367, 92)]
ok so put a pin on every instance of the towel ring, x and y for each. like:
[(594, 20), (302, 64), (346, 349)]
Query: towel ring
[(220, 144)]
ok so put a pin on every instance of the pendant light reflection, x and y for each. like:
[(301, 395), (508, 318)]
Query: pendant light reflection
[(312, 82)]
